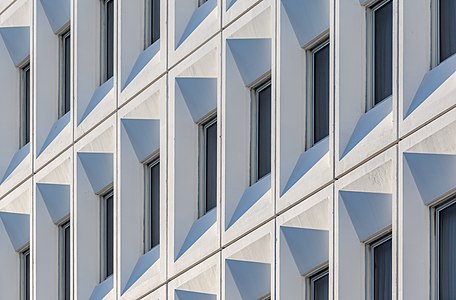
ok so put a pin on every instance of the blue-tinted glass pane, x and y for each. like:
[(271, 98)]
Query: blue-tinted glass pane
[(321, 94)]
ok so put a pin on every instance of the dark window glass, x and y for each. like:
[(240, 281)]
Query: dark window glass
[(201, 2), (383, 51), (109, 30), (210, 142), (264, 130), (109, 230), (321, 94), (25, 274), (320, 286), (66, 73), (383, 270), (153, 22), (154, 174), (66, 260), (447, 32), (447, 253), (25, 105)]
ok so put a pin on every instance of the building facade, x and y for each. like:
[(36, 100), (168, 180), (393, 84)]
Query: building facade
[(227, 149)]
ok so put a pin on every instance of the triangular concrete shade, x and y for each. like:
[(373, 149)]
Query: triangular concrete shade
[(99, 169), (144, 136), (18, 228), (57, 200)]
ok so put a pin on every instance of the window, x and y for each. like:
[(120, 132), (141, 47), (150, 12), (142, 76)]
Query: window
[(25, 274), (25, 105), (381, 51), (381, 269), (319, 286), (107, 232), (65, 72), (318, 104), (445, 22), (261, 132), (152, 207), (152, 29), (108, 39), (446, 249), (201, 2), (208, 166), (64, 264)]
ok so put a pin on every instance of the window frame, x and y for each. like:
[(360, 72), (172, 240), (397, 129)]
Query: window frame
[(24, 105), (255, 90), (104, 40), (62, 259), (103, 234), (371, 10), (62, 109), (201, 2), (370, 248), (208, 121), (148, 23), (312, 278), (152, 162), (310, 74), (435, 239), (25, 273)]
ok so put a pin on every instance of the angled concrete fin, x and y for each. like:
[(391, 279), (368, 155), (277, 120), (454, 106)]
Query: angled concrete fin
[(57, 12), (17, 41), (434, 174), (307, 161), (369, 212), (258, 27), (18, 228), (252, 57), (368, 122), (199, 227), (99, 169), (440, 78), (149, 109), (309, 18), (252, 279), (200, 95), (144, 136), (309, 247), (251, 196), (198, 16), (102, 289), (100, 93), (58, 126), (143, 59), (188, 295), (18, 158), (57, 200), (144, 263)]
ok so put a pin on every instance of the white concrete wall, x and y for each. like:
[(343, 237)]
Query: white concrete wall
[(378, 171)]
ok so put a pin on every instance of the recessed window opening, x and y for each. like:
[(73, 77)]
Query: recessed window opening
[(381, 53), (152, 205), (152, 21), (261, 132), (25, 274), (318, 95), (65, 73), (24, 137), (107, 54), (208, 166), (107, 234), (318, 285), (381, 269), (445, 15), (64, 261)]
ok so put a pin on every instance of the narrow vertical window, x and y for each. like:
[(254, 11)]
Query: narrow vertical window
[(208, 166), (65, 73), (107, 230), (319, 97), (382, 51), (108, 39), (381, 269), (152, 21), (447, 24), (446, 249), (152, 232), (25, 274), (25, 105), (319, 286), (65, 248), (261, 132)]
